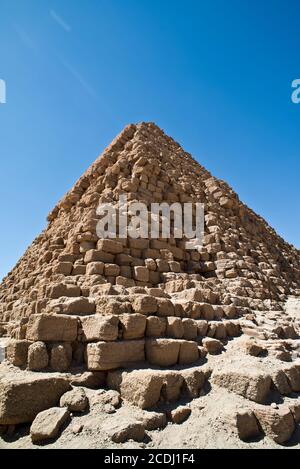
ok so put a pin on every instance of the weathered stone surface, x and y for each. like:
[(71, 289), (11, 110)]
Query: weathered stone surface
[(180, 414), (110, 245), (110, 397), (293, 374), (144, 304), (38, 358), (212, 345), (141, 387), (121, 430), (247, 382), (245, 423), (96, 328), (75, 400), (156, 327), (278, 424), (162, 352), (51, 328), (89, 379), (17, 351), (190, 329), (48, 423), (133, 326), (152, 420), (110, 355), (63, 289), (141, 273), (60, 356), (24, 394), (175, 327), (95, 268), (194, 379), (76, 306), (188, 352)]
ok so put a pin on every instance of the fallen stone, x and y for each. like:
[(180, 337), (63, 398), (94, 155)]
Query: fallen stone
[(245, 380), (120, 430), (180, 414), (89, 379), (246, 424), (75, 400), (278, 424), (212, 345), (24, 394), (140, 387), (48, 423)]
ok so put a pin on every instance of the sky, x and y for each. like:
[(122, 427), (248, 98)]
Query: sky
[(214, 74)]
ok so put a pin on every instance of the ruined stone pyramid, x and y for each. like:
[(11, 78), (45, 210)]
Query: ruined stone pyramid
[(74, 301)]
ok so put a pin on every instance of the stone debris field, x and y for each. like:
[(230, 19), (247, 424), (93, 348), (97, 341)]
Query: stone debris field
[(140, 342)]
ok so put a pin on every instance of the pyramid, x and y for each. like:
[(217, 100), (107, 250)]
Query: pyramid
[(145, 316)]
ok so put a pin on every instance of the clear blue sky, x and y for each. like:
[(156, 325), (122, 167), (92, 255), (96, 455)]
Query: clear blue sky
[(216, 75)]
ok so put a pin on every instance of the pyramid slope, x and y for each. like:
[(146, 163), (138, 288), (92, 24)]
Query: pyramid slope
[(241, 252)]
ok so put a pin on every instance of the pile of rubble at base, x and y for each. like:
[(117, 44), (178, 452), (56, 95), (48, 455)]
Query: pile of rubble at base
[(147, 318)]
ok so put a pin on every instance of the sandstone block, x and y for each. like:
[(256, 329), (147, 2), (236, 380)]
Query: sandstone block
[(95, 268), (61, 356), (110, 355), (246, 381), (133, 326), (141, 273), (140, 387), (77, 306), (207, 311), (111, 270), (64, 268), (174, 327), (95, 256), (188, 352), (75, 400), (212, 345), (194, 380), (165, 307), (202, 327), (190, 329), (156, 327), (121, 429), (17, 351), (278, 424), (125, 281), (246, 424), (113, 305), (180, 414), (144, 304), (293, 374), (89, 379), (51, 328), (162, 352), (96, 328), (37, 356), (48, 423), (110, 245), (24, 394), (63, 289)]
